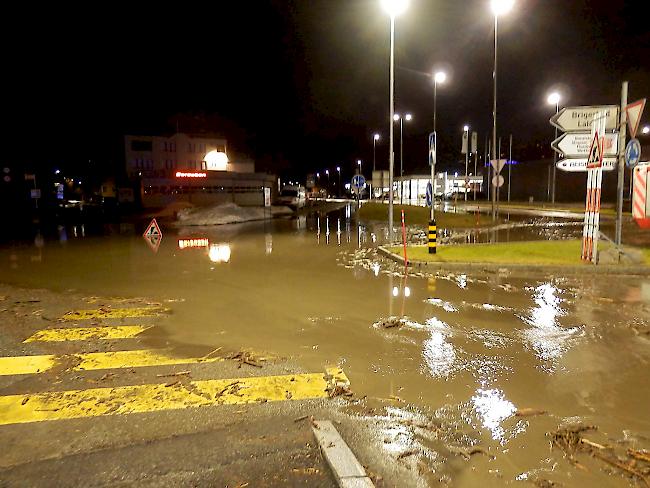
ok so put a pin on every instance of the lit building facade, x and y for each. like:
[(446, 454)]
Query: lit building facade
[(175, 168)]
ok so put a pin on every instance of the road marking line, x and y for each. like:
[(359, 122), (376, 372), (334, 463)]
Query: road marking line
[(95, 360), (115, 313), (87, 333), (18, 409)]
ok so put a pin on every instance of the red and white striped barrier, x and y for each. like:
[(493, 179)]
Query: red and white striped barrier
[(591, 227), (641, 195)]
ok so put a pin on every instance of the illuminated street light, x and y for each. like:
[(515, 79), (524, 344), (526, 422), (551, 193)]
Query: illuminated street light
[(465, 128), (396, 117), (646, 129), (376, 137), (554, 99), (499, 7), (440, 77), (394, 8), (408, 117)]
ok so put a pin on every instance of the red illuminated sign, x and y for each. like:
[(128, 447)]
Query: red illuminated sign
[(181, 174)]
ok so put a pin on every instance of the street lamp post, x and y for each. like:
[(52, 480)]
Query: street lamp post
[(499, 7), (394, 8), (375, 138), (466, 136), (338, 168), (554, 99), (408, 118), (327, 172), (438, 77)]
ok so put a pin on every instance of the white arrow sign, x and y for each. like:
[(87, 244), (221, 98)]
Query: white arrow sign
[(581, 118), (575, 145), (573, 165)]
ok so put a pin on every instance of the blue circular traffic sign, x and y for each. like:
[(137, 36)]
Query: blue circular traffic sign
[(632, 153), (358, 182)]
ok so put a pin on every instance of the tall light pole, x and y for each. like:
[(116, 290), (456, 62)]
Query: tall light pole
[(327, 172), (375, 138), (359, 165), (338, 168), (398, 117), (438, 77), (466, 147), (499, 7), (393, 8), (554, 99)]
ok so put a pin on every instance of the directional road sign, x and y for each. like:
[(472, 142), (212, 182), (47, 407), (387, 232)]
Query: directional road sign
[(577, 144), (632, 153), (498, 164), (571, 119), (573, 165), (634, 111), (153, 235)]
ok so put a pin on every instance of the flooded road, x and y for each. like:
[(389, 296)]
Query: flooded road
[(462, 376)]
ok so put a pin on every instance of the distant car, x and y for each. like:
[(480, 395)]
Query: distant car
[(293, 196)]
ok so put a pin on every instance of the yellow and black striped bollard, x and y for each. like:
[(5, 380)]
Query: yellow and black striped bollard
[(432, 236)]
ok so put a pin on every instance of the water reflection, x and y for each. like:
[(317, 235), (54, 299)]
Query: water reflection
[(548, 339), (219, 253), (492, 408)]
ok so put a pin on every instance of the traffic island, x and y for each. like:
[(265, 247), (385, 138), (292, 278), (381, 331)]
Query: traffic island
[(416, 215), (555, 256)]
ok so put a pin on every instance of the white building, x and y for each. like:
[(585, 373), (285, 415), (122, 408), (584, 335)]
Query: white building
[(174, 168)]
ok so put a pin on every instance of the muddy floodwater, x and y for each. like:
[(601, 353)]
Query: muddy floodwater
[(468, 375)]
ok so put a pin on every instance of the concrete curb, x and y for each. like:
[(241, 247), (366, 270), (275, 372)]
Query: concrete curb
[(346, 468), (575, 270)]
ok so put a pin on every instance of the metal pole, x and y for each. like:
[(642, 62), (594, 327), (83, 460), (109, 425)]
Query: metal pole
[(391, 154), (435, 149), (496, 175), (557, 109), (466, 164), (509, 167), (621, 165), (485, 160), (401, 159), (475, 169), (494, 111)]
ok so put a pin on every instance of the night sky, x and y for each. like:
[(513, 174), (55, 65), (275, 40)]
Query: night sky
[(303, 84)]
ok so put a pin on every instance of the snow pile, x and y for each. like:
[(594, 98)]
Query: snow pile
[(227, 213)]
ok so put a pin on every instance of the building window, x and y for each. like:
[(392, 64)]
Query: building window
[(164, 148), (141, 145), (172, 147)]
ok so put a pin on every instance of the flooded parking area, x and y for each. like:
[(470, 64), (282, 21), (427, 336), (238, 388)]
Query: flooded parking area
[(467, 379)]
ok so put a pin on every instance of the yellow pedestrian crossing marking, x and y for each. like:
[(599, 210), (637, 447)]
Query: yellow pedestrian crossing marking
[(115, 313), (16, 409), (87, 333), (95, 360)]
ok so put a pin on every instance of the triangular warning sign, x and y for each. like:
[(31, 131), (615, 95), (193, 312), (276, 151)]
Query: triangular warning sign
[(595, 159), (153, 235), (634, 112)]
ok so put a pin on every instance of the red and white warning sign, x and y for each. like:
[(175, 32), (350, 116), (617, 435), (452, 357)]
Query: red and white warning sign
[(153, 235), (591, 228), (641, 196), (634, 112)]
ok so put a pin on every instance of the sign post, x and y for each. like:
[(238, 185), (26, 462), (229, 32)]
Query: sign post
[(621, 166)]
